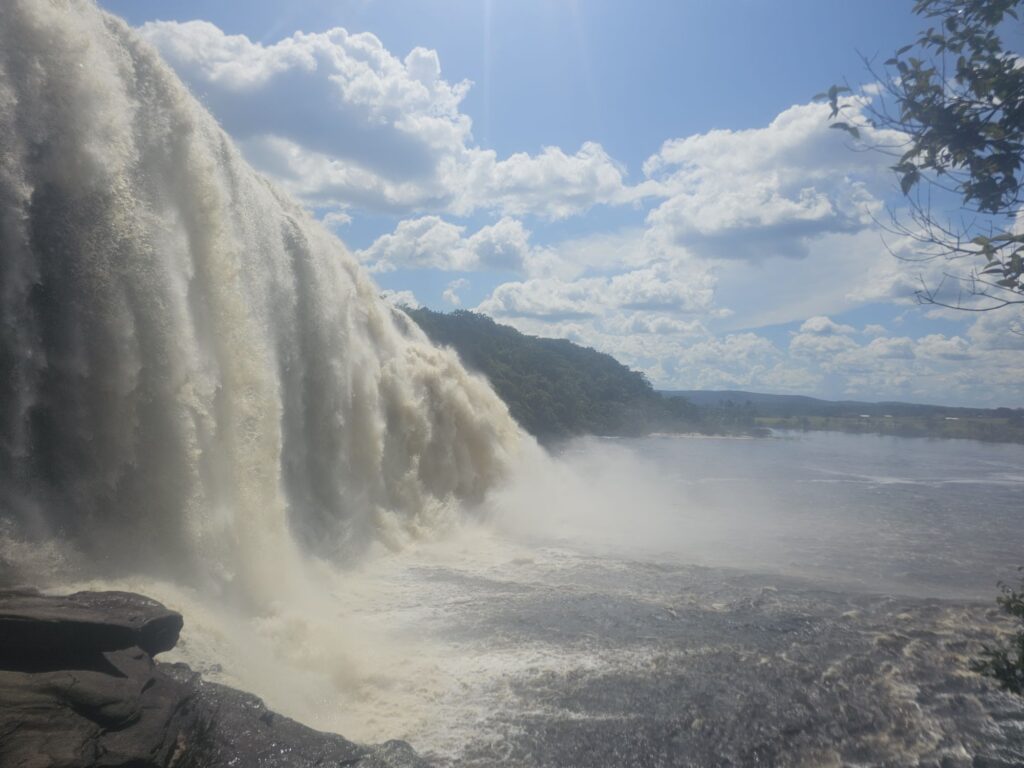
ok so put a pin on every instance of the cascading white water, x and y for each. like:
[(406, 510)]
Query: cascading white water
[(197, 382), (203, 399)]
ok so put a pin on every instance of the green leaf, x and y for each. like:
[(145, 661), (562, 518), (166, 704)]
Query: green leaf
[(908, 181), (850, 129), (835, 90)]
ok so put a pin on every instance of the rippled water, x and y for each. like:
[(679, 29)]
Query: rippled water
[(811, 600), (925, 517), (817, 604)]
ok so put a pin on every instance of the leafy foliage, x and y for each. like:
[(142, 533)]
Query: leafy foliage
[(974, 124), (1006, 665), (958, 96), (554, 388)]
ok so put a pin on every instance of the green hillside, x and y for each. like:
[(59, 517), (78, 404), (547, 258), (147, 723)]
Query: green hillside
[(557, 389), (553, 387)]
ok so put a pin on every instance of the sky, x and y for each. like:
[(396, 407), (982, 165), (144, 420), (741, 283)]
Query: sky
[(651, 179)]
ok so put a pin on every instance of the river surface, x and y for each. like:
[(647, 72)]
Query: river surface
[(812, 599), (805, 600), (939, 518)]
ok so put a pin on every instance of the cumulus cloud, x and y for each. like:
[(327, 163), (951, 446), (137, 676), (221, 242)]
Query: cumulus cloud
[(431, 242), (931, 368), (336, 219), (1001, 330), (820, 346), (425, 242), (400, 298), (342, 121), (551, 299), (824, 326), (928, 368), (451, 294), (552, 184), (900, 348), (735, 360), (670, 288), (768, 191), (938, 347)]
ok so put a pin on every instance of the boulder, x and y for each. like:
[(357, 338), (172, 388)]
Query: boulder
[(79, 689), (40, 631)]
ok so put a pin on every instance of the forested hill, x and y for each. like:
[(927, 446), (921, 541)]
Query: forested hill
[(553, 387), (557, 389)]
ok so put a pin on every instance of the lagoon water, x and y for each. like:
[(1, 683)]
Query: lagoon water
[(806, 600), (812, 599), (939, 518)]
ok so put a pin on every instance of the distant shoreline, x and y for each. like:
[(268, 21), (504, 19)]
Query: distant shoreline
[(781, 432), (753, 410)]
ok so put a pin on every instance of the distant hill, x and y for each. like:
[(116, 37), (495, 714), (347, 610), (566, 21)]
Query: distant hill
[(906, 419), (553, 387), (801, 405), (556, 389)]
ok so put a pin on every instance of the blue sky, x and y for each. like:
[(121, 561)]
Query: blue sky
[(649, 178)]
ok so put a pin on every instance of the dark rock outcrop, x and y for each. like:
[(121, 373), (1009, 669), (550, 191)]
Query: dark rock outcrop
[(40, 632), (79, 688)]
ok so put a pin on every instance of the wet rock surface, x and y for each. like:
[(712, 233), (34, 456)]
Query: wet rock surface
[(79, 688), (40, 632)]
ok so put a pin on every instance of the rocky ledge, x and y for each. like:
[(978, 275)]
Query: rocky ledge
[(79, 688)]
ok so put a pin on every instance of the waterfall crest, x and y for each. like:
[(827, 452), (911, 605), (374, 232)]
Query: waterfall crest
[(196, 379)]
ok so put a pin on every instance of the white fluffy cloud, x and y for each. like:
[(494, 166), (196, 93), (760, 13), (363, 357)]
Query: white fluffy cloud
[(451, 294), (400, 298), (667, 287), (938, 347), (821, 325), (933, 367), (1002, 330), (432, 242), (341, 121), (767, 191)]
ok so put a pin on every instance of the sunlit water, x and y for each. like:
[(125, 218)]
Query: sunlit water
[(910, 516), (810, 600)]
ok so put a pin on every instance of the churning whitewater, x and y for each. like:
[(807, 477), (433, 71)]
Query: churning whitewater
[(197, 381), (202, 398)]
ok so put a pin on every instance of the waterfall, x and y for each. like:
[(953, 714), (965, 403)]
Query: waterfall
[(197, 380)]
